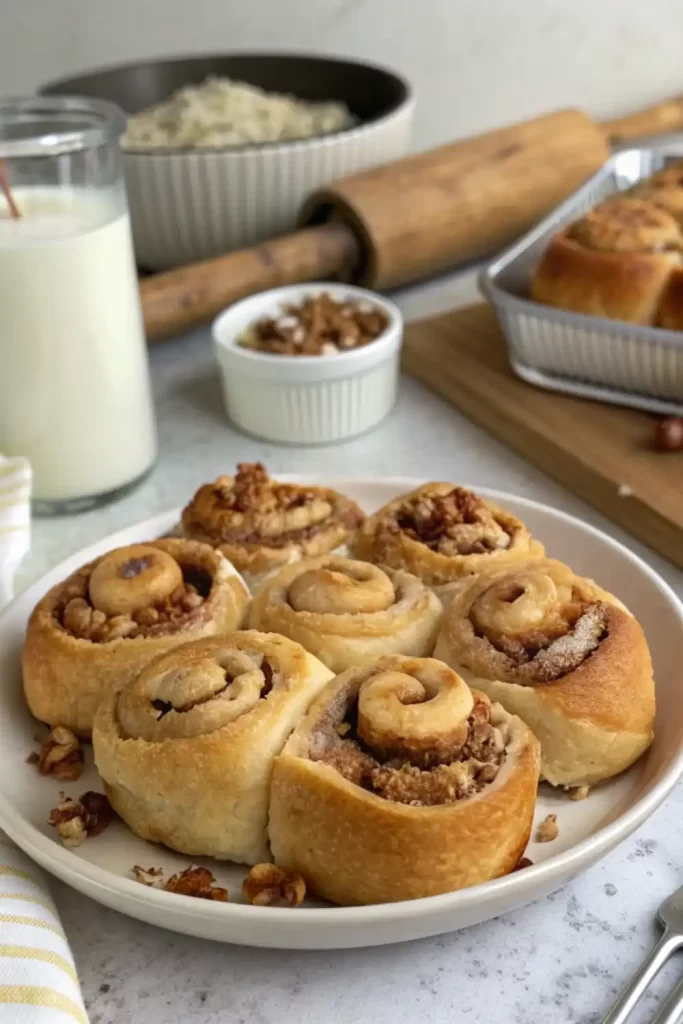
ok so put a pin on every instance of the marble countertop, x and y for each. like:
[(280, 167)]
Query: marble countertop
[(560, 960)]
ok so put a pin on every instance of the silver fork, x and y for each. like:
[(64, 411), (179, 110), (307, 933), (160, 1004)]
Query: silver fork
[(670, 915)]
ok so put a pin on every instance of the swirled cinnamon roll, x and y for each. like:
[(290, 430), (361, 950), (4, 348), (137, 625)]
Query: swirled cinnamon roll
[(101, 626), (401, 782), (565, 656), (346, 612), (443, 534), (665, 189), (261, 525), (186, 748), (620, 260)]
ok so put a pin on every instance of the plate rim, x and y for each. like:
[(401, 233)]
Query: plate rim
[(60, 861)]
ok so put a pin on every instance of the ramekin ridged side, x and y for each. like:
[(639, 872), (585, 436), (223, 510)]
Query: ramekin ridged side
[(312, 399)]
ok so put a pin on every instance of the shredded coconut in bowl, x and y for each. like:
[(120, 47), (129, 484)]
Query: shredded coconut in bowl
[(221, 112)]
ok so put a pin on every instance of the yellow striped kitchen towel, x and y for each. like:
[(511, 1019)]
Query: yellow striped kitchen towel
[(15, 520), (38, 982)]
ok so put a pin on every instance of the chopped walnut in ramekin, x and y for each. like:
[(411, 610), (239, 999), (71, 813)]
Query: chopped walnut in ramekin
[(319, 326)]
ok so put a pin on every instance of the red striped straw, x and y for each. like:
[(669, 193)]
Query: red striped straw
[(14, 210)]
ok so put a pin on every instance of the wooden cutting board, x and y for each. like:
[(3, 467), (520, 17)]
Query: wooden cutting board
[(592, 448)]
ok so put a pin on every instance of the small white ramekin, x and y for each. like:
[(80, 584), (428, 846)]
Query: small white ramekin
[(306, 399)]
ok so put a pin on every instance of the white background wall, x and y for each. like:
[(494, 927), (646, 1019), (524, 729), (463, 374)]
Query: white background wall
[(475, 63)]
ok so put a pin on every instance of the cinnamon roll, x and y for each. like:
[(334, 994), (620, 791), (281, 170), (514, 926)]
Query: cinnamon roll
[(565, 656), (101, 626), (443, 534), (664, 189), (402, 783), (346, 612), (186, 748), (262, 525), (622, 260)]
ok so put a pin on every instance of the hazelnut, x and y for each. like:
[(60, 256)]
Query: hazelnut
[(669, 434)]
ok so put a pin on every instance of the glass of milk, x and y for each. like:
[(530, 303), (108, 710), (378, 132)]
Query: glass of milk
[(74, 382)]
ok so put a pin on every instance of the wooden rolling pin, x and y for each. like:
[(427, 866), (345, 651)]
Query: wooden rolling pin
[(402, 221)]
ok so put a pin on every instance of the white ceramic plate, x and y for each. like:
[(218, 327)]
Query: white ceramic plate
[(588, 829)]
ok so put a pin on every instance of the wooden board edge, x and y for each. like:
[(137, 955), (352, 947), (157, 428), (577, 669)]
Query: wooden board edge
[(664, 536)]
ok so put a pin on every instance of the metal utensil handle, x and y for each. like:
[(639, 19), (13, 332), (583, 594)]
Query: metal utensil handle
[(667, 945), (671, 1009)]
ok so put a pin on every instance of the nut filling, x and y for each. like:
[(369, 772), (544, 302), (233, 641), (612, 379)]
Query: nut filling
[(457, 523), (252, 509), (449, 767), (80, 611), (554, 648)]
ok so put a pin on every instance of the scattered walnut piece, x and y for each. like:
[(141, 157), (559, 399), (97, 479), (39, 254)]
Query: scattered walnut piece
[(152, 877), (548, 829), (267, 885), (198, 882), (579, 793), (60, 755), (523, 862), (76, 820), (68, 819)]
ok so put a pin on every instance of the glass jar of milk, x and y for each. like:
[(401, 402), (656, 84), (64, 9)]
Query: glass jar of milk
[(74, 382)]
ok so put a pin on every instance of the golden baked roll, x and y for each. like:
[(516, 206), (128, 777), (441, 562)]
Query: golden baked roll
[(261, 525), (565, 656), (665, 189), (347, 612), (617, 261), (443, 534), (101, 626), (186, 748), (402, 783)]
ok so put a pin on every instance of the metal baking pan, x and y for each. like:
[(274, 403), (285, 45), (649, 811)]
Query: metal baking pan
[(589, 356)]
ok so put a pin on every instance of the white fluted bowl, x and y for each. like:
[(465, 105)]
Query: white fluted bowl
[(190, 205)]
